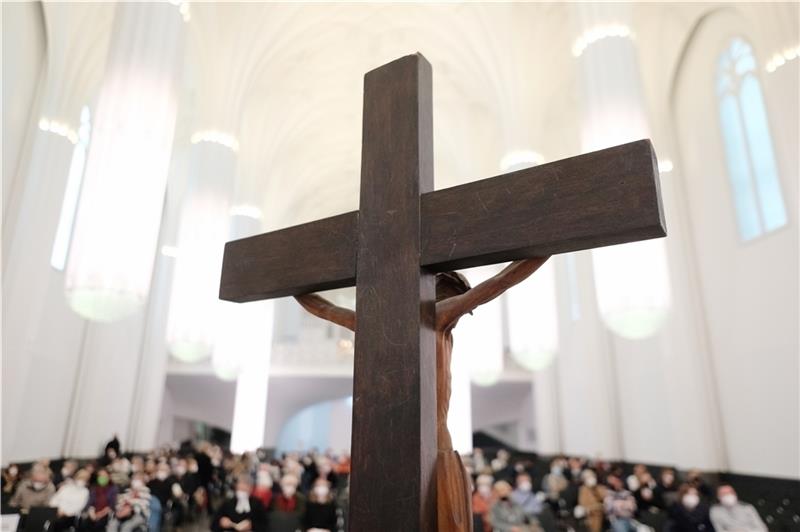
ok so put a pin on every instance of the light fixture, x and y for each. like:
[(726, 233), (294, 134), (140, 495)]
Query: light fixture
[(665, 166), (59, 128), (533, 320), (598, 33), (117, 225), (633, 288), (519, 159), (216, 136), (631, 280), (779, 59), (169, 251)]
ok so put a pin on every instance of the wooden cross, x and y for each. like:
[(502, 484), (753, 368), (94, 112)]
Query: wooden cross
[(390, 249)]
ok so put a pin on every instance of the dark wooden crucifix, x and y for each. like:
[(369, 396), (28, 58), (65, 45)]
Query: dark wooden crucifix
[(403, 233)]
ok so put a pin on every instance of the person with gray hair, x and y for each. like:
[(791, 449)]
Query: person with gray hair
[(733, 515)]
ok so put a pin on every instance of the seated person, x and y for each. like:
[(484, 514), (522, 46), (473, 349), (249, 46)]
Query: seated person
[(133, 508), (263, 488), (591, 498), (102, 500), (482, 500), (242, 512), (288, 507), (524, 496), (620, 506), (690, 513), (67, 470), (320, 509), (10, 481), (732, 515), (35, 491), (555, 483), (506, 515), (70, 500)]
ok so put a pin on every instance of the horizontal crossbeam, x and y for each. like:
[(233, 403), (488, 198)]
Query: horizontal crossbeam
[(597, 199)]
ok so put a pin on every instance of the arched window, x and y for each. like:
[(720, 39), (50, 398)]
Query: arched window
[(69, 206), (750, 157)]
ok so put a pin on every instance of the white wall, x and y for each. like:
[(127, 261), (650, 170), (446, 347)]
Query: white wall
[(748, 289), (24, 55)]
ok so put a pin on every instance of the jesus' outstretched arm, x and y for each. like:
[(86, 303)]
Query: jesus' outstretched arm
[(322, 308), (449, 310)]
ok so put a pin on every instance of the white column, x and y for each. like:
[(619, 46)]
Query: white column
[(252, 386), (248, 336)]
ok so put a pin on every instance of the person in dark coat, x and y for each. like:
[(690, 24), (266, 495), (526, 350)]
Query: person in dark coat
[(288, 507), (690, 513), (321, 508), (242, 512)]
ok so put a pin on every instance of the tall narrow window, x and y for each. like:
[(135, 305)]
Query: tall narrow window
[(757, 197), (72, 192)]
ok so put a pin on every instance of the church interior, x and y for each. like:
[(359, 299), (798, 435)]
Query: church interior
[(651, 385)]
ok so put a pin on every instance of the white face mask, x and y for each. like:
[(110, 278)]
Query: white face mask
[(590, 481), (38, 485), (162, 475), (288, 490), (556, 470), (525, 486), (64, 472), (485, 490), (264, 479), (729, 499), (321, 491), (633, 483), (691, 500), (137, 484)]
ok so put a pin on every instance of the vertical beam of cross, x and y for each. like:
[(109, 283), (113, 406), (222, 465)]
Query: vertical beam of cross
[(394, 389)]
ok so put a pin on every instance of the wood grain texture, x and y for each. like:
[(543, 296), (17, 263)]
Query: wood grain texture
[(394, 390), (597, 199)]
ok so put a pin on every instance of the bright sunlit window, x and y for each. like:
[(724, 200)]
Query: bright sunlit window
[(757, 196), (72, 192)]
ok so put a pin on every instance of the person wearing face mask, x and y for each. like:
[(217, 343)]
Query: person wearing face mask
[(67, 470), (591, 497), (242, 512), (482, 499), (10, 481), (70, 500), (733, 515), (132, 512), (35, 491), (288, 507), (263, 488), (620, 506), (320, 509), (524, 496), (506, 515), (102, 500), (690, 513), (160, 484), (554, 484), (665, 493)]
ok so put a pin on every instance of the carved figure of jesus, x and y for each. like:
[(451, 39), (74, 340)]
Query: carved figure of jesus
[(454, 298)]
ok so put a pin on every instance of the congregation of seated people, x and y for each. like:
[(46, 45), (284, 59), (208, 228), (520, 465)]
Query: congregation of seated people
[(576, 494), (202, 486)]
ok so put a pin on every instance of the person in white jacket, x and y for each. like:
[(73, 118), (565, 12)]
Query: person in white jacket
[(70, 500)]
